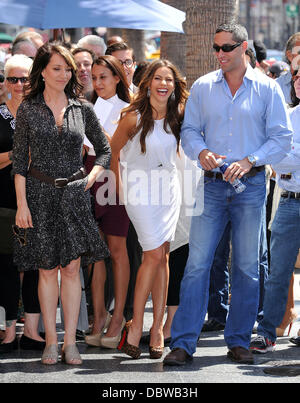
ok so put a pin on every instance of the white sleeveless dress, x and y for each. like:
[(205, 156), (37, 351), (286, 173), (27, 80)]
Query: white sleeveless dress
[(152, 194)]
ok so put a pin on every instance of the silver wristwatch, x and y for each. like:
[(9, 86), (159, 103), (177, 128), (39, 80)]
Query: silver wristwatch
[(252, 160)]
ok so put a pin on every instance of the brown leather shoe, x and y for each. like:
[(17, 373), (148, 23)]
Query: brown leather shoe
[(178, 356), (240, 355)]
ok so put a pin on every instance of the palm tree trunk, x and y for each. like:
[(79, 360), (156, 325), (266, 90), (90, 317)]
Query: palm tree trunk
[(136, 40), (202, 19), (172, 44)]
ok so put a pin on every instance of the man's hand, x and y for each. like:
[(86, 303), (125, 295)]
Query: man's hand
[(237, 170), (208, 159)]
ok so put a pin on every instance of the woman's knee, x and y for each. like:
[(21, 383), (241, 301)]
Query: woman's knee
[(71, 271), (48, 275), (158, 256), (118, 249)]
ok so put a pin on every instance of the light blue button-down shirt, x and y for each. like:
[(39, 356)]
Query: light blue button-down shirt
[(285, 84), (291, 163), (255, 121)]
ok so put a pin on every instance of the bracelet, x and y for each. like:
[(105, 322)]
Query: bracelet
[(10, 155)]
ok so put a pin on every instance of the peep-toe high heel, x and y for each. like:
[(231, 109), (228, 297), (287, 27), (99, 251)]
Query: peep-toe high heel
[(94, 340), (112, 341), (129, 349), (280, 331)]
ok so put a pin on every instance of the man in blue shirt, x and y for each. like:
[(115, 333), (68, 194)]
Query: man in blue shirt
[(285, 239), (238, 115), (292, 56)]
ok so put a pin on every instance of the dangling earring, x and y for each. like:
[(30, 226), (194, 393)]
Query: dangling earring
[(173, 96), (148, 92)]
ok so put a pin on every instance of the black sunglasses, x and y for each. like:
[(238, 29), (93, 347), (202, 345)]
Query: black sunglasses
[(226, 48), (21, 234), (14, 80), (2, 78)]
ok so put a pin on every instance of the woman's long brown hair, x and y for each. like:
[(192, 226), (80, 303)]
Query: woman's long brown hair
[(141, 104), (36, 84)]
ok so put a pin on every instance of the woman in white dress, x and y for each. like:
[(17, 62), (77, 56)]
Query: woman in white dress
[(111, 96), (146, 141)]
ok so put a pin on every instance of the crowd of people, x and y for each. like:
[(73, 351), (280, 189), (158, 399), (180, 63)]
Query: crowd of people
[(94, 151)]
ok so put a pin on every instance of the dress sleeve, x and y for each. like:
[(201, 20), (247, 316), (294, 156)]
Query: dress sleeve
[(21, 143), (95, 134)]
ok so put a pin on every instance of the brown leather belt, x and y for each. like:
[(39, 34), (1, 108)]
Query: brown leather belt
[(291, 195), (218, 175), (56, 182)]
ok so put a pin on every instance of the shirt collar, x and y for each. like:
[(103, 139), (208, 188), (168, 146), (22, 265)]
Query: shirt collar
[(287, 77), (40, 99), (250, 74)]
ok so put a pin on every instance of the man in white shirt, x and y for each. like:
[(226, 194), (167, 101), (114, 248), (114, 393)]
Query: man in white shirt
[(125, 54)]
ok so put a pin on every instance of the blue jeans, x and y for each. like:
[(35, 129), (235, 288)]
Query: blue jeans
[(244, 210), (285, 244), (218, 306), (263, 264)]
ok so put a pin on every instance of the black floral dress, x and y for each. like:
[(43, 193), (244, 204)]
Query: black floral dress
[(63, 225), (7, 127)]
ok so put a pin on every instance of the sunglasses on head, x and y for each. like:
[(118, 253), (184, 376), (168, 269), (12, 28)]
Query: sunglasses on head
[(21, 234), (14, 80), (226, 48)]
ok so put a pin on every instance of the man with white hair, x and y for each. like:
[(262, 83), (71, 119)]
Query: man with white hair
[(94, 43), (24, 47), (32, 36)]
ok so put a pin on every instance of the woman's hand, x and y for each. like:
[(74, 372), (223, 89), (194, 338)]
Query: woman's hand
[(23, 217), (90, 182), (93, 175)]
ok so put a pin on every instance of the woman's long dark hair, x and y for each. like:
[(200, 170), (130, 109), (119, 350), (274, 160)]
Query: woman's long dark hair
[(36, 84), (175, 107), (113, 64)]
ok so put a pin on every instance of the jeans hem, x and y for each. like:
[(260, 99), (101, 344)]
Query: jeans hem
[(267, 336), (172, 347)]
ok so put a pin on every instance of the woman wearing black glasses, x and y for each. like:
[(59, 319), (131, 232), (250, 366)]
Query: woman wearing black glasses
[(16, 73)]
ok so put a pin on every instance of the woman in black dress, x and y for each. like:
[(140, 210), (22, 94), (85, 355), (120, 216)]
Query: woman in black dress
[(54, 212)]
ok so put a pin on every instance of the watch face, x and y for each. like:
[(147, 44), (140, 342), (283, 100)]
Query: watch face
[(252, 159)]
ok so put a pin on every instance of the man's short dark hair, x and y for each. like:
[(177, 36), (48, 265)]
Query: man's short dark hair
[(119, 46), (239, 33), (260, 50), (249, 52), (80, 50)]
